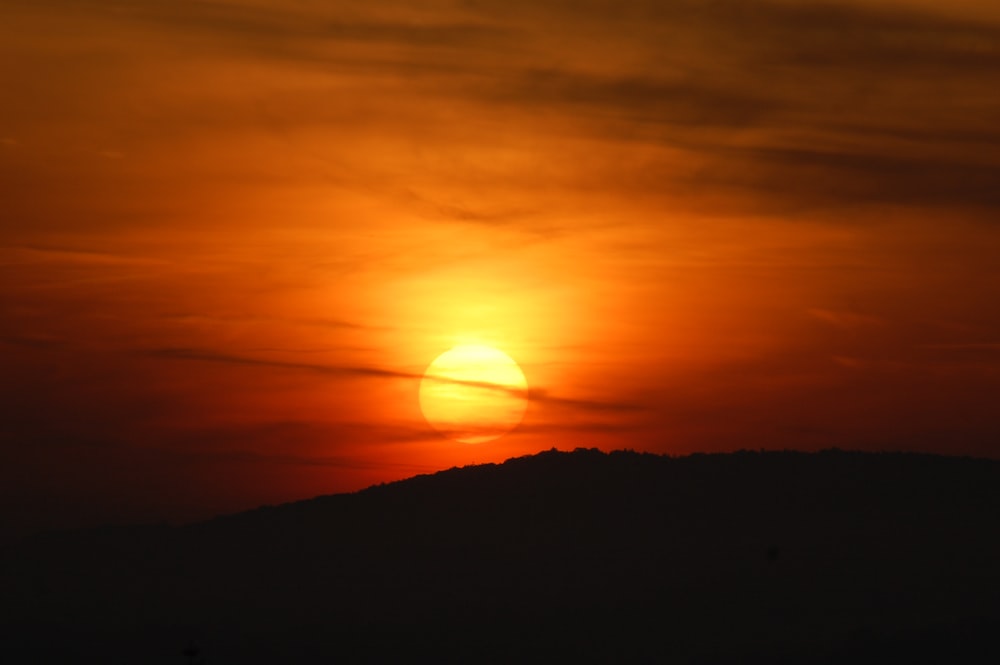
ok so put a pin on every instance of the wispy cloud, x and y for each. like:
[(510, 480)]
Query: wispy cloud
[(34, 341), (25, 254), (962, 346), (336, 461), (830, 105), (216, 357), (539, 395), (844, 319), (803, 105)]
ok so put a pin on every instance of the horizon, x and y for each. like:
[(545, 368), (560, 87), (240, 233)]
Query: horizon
[(579, 451), (238, 237)]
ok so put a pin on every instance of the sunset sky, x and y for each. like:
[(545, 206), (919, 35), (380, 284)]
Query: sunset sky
[(234, 234)]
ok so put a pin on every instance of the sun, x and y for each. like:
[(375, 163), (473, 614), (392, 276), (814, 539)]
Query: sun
[(473, 393)]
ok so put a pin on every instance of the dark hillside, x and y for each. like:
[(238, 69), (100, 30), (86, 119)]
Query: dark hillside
[(583, 556)]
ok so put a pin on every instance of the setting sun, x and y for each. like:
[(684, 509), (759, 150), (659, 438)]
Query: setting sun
[(473, 394)]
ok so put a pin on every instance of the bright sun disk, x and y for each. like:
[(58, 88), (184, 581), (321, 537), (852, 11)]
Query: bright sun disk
[(473, 393)]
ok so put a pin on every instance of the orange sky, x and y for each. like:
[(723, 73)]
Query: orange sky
[(232, 233)]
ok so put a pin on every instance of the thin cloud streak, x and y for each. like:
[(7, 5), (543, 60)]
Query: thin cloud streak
[(534, 394), (34, 342)]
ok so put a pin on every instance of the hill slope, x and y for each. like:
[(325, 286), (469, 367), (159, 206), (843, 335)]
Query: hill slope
[(585, 556)]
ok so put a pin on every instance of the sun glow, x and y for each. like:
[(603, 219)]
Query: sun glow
[(473, 394)]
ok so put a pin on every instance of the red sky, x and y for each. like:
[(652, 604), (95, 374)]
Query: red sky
[(232, 233)]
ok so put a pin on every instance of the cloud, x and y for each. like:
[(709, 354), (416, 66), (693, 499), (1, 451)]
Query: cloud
[(538, 395), (968, 346), (255, 442), (216, 357), (850, 362), (337, 461), (326, 323), (810, 105), (34, 341), (974, 356), (585, 427), (542, 396), (845, 320), (30, 254)]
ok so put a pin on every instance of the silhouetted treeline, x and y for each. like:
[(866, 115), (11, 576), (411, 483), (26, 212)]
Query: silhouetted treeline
[(583, 556)]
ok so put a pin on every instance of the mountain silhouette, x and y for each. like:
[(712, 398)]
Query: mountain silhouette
[(749, 557)]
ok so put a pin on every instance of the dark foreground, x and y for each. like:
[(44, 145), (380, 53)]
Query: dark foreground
[(560, 557)]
